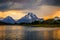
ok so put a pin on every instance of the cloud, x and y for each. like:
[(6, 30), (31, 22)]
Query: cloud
[(3, 6), (51, 2), (44, 10), (18, 4), (39, 7), (26, 4)]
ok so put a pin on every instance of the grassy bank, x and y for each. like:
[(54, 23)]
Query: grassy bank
[(41, 25)]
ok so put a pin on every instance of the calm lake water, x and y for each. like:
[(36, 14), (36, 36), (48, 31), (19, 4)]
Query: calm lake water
[(28, 33)]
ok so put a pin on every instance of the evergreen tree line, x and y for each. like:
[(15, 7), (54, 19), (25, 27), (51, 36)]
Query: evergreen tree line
[(49, 21)]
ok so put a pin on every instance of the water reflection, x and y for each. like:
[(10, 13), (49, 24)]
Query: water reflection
[(28, 33)]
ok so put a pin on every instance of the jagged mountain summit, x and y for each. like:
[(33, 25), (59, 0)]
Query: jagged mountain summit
[(8, 19), (30, 17)]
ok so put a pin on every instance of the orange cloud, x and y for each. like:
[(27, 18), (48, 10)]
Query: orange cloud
[(57, 13), (54, 14), (16, 14)]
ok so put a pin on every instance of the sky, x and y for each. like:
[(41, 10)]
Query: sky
[(19, 8)]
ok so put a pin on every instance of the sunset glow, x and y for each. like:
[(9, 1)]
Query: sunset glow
[(57, 13), (13, 13), (17, 14)]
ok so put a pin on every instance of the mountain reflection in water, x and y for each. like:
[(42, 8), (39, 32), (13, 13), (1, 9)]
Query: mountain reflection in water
[(28, 33)]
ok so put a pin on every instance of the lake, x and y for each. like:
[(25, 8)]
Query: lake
[(9, 32)]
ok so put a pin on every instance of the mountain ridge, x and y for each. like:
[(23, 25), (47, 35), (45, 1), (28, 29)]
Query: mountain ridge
[(8, 19), (30, 17)]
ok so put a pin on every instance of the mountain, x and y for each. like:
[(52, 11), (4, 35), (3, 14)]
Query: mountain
[(1, 18), (8, 19), (30, 17)]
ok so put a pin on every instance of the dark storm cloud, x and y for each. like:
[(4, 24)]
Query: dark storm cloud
[(1, 1), (16, 4), (51, 2), (26, 4)]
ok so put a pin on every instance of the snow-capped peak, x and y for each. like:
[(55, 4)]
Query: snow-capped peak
[(30, 17), (30, 13), (8, 19)]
